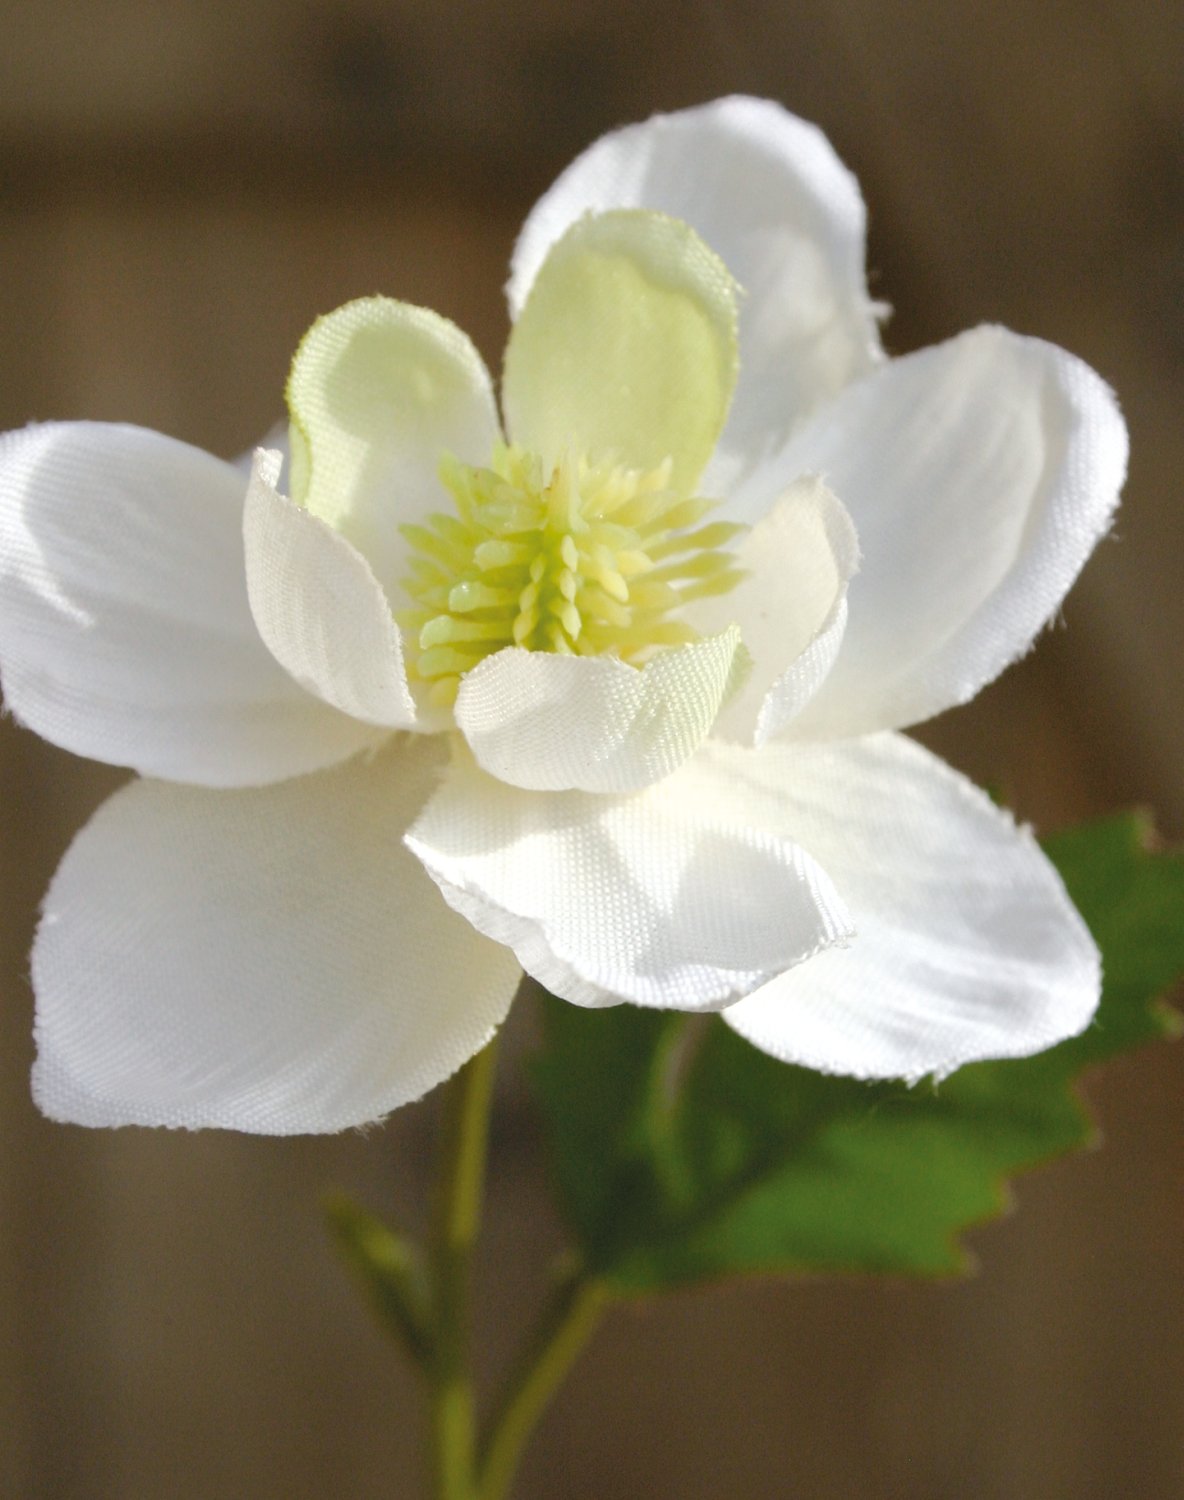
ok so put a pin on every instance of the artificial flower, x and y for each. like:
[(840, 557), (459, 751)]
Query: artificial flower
[(608, 689)]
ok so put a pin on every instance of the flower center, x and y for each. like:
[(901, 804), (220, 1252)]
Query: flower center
[(585, 558)]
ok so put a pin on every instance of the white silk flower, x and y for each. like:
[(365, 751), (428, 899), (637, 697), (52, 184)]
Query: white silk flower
[(608, 689)]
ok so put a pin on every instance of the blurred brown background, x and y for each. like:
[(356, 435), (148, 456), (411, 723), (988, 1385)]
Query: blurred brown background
[(182, 189)]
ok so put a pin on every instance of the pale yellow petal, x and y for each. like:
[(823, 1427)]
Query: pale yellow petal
[(379, 390), (626, 346)]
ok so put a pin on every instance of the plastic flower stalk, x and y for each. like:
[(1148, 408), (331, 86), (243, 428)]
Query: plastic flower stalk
[(605, 683)]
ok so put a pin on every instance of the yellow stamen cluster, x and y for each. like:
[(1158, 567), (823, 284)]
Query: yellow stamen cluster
[(581, 558)]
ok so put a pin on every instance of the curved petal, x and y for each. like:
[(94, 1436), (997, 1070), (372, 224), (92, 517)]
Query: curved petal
[(676, 898), (968, 946), (125, 633), (791, 608), (768, 194), (320, 608), (980, 475), (379, 390), (277, 440), (271, 961), (594, 724), (626, 346)]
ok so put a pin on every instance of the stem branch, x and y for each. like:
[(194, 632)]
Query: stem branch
[(567, 1322)]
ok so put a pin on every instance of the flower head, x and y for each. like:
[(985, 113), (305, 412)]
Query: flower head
[(607, 688)]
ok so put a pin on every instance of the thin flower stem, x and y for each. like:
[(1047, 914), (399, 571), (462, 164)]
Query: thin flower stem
[(565, 1326), (455, 1219)]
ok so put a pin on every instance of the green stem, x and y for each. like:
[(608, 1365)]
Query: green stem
[(456, 1216), (391, 1270), (567, 1322)]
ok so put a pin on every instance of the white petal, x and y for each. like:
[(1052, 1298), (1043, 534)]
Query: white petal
[(271, 961), (277, 440), (791, 608), (125, 633), (769, 195), (967, 944), (676, 898), (320, 608), (562, 723), (379, 392), (980, 474)]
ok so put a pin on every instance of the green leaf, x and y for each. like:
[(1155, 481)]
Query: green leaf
[(682, 1153)]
